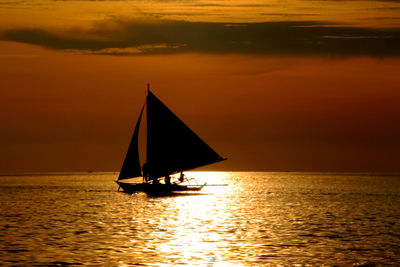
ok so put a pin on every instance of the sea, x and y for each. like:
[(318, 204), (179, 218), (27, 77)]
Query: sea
[(259, 219)]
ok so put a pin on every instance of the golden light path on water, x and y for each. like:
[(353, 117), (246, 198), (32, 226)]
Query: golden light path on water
[(193, 227), (196, 221)]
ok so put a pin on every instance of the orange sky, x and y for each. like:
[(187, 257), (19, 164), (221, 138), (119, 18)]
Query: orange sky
[(317, 90)]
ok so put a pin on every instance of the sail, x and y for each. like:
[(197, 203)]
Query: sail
[(131, 166), (171, 145)]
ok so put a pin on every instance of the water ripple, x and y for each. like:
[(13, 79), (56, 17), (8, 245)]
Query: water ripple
[(260, 219)]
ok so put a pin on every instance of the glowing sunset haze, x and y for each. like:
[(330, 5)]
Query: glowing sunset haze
[(272, 85)]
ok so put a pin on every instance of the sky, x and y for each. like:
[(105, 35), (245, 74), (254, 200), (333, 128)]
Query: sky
[(296, 85)]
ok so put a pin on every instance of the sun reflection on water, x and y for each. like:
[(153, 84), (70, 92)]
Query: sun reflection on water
[(199, 230)]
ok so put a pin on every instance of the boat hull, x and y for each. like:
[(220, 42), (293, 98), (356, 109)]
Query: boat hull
[(157, 189)]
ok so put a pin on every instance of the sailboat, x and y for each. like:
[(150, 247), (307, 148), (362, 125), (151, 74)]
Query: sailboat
[(172, 148)]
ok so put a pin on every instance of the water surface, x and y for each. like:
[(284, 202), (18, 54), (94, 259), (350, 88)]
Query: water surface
[(259, 219)]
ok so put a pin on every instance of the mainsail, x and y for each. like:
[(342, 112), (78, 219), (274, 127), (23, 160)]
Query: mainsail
[(131, 166), (171, 145)]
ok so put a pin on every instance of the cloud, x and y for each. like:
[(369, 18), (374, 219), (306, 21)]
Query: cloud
[(272, 38)]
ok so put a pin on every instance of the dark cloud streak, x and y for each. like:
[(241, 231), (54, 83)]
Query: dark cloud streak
[(273, 38)]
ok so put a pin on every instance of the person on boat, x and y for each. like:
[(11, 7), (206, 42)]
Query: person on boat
[(145, 172), (181, 177), (155, 180), (167, 180)]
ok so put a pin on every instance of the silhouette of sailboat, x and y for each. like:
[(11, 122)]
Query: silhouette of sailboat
[(172, 147)]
